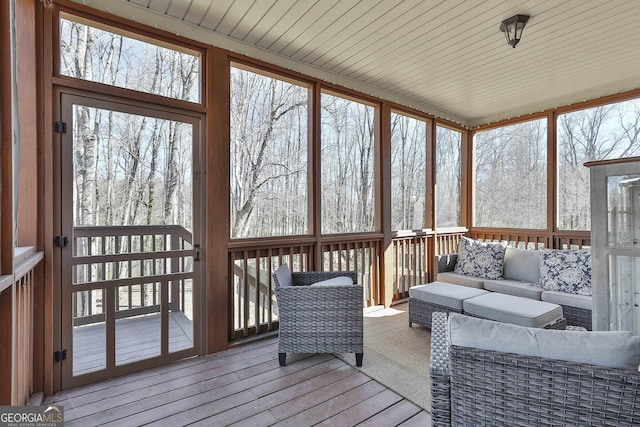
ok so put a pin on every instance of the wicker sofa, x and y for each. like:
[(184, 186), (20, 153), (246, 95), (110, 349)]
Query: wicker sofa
[(475, 385), (317, 316), (521, 274)]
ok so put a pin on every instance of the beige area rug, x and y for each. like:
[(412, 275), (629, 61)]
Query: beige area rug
[(395, 354)]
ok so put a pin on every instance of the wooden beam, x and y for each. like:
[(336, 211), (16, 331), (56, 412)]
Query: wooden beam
[(217, 142), (6, 142), (26, 185), (384, 165), (6, 207)]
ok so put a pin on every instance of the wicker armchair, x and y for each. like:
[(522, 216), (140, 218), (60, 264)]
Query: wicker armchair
[(318, 319), (481, 387)]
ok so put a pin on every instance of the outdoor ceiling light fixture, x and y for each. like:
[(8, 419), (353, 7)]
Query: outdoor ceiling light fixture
[(512, 28)]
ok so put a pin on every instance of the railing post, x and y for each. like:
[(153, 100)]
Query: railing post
[(174, 288), (432, 250), (386, 285)]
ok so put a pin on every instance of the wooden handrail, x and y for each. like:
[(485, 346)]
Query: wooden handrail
[(25, 259)]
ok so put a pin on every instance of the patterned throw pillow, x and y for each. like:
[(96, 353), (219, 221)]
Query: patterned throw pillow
[(566, 271), (480, 259)]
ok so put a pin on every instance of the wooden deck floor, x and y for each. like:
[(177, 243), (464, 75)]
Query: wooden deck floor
[(243, 386), (137, 338)]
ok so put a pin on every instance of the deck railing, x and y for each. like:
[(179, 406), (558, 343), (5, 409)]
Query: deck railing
[(21, 288), (361, 254), (119, 254), (535, 239), (413, 254), (410, 262), (125, 253), (254, 307)]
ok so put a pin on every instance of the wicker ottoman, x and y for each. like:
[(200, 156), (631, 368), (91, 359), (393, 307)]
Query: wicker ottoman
[(515, 310), (437, 296)]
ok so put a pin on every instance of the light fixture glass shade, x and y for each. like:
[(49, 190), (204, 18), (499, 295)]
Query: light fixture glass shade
[(513, 27)]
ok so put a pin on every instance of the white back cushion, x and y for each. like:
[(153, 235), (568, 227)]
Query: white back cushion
[(522, 264), (283, 274), (607, 349), (336, 281)]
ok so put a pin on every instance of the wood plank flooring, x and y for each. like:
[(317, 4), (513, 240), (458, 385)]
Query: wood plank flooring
[(243, 386), (137, 338)]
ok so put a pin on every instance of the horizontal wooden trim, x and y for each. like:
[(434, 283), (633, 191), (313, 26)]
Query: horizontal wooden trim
[(349, 238), (20, 253), (518, 231), (297, 241), (119, 314), (135, 230), (250, 253), (513, 121), (270, 242), (28, 259), (577, 234), (252, 331), (133, 256), (27, 265), (451, 230), (612, 161), (604, 100), (5, 282), (111, 284), (153, 101), (412, 233), (531, 232)]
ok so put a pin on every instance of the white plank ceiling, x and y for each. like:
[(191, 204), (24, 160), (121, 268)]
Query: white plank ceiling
[(445, 57)]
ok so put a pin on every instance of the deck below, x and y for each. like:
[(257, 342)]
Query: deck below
[(137, 338), (242, 386)]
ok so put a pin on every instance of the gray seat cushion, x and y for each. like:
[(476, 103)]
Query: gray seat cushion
[(521, 264), (514, 310), (514, 287), (564, 298), (607, 349), (445, 294), (460, 279)]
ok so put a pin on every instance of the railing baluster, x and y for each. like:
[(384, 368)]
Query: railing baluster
[(245, 292), (257, 291), (269, 265), (89, 305)]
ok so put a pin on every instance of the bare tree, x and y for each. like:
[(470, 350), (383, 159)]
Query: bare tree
[(598, 133), (347, 154), (408, 172), (268, 156), (511, 176), (448, 177)]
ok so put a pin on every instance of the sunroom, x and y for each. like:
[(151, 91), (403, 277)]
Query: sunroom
[(165, 157)]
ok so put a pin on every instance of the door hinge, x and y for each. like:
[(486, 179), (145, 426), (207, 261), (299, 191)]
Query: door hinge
[(196, 255), (60, 127), (60, 241), (59, 356)]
